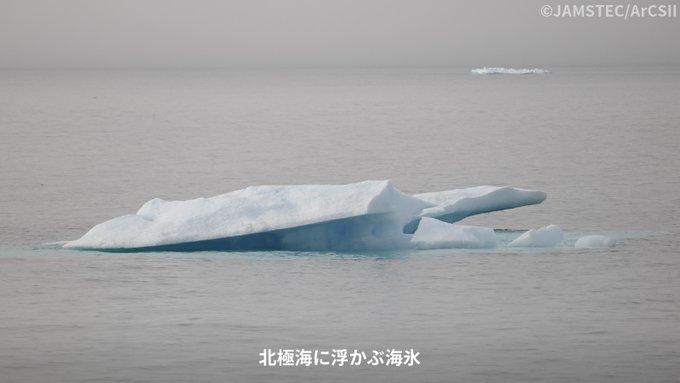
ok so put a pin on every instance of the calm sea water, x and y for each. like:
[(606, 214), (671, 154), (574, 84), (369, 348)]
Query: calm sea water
[(80, 147)]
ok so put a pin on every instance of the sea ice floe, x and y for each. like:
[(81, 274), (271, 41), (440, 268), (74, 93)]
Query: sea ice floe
[(498, 70), (359, 216), (367, 214)]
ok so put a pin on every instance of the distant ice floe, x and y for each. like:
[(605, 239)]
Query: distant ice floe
[(492, 70)]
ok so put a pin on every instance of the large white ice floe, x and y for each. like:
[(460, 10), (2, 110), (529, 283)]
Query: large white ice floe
[(359, 216), (368, 214), (548, 236), (496, 70), (436, 234)]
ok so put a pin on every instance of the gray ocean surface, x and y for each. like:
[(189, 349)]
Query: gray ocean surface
[(80, 147)]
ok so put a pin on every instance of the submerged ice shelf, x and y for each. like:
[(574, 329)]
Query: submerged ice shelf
[(367, 215), (435, 234)]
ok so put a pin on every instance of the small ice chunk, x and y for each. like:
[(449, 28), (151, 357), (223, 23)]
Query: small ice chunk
[(548, 236), (435, 234), (595, 241), (492, 70)]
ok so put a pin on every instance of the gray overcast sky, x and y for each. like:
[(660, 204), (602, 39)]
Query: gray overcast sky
[(265, 33)]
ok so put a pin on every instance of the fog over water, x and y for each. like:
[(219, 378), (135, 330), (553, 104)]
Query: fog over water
[(311, 33)]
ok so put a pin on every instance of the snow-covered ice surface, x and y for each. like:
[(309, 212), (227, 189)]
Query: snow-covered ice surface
[(548, 236), (364, 215), (369, 214), (436, 234), (497, 70)]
